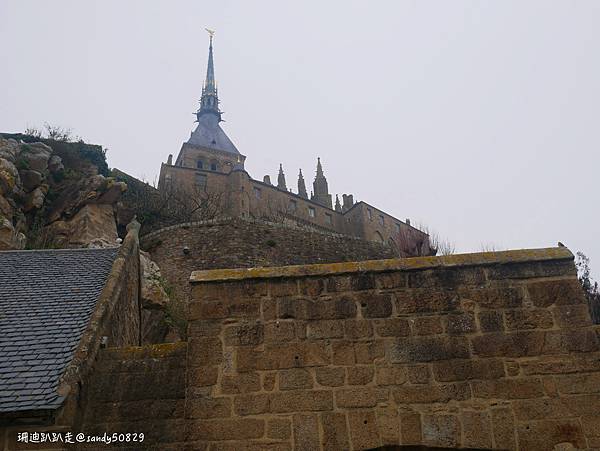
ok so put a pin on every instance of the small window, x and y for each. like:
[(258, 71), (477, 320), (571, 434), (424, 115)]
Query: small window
[(311, 212), (257, 192), (397, 228), (293, 205), (328, 218), (369, 214), (200, 164), (381, 219), (213, 166), (201, 180)]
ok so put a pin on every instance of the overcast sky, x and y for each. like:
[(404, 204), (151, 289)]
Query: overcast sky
[(479, 119)]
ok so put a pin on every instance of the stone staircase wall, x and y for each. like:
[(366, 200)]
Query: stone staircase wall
[(138, 390)]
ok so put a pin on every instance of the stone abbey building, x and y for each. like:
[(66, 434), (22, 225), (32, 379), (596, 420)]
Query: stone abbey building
[(209, 162)]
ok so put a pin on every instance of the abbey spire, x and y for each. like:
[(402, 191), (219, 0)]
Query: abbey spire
[(209, 102), (208, 133)]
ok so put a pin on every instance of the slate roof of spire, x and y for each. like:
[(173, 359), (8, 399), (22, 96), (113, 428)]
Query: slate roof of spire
[(209, 133), (46, 299)]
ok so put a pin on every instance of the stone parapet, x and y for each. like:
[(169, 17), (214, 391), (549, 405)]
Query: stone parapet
[(395, 264), (480, 351)]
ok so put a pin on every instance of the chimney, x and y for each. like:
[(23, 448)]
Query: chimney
[(407, 221), (170, 160), (267, 179)]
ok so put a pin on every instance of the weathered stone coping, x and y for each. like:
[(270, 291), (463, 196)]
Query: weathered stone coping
[(396, 264), (152, 351)]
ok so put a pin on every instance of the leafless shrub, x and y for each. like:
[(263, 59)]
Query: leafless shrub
[(589, 285), (439, 245), (278, 212), (53, 132), (173, 204), (33, 131), (58, 133), (490, 247)]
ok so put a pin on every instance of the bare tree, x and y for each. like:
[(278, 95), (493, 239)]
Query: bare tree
[(278, 211), (173, 204)]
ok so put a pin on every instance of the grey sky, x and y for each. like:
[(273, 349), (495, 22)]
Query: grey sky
[(477, 118)]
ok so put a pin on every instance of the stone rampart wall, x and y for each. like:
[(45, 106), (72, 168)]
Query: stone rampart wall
[(236, 243), (485, 351)]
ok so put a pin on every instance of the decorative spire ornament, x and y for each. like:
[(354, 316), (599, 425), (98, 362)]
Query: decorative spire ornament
[(281, 179), (301, 186)]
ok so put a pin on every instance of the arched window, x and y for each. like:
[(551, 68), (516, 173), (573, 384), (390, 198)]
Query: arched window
[(199, 164), (378, 237)]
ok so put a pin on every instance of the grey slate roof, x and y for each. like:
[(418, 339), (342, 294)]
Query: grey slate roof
[(209, 134), (46, 299)]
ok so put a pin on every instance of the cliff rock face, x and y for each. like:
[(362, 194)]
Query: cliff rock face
[(93, 225), (52, 194)]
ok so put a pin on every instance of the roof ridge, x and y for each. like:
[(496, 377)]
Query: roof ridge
[(17, 251)]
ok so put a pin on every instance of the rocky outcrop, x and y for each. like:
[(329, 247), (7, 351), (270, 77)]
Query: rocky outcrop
[(46, 200), (35, 156), (154, 300), (10, 238), (93, 225), (154, 295), (11, 189), (157, 325), (9, 177)]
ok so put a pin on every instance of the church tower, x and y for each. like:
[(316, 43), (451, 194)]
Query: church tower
[(321, 190), (208, 147)]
